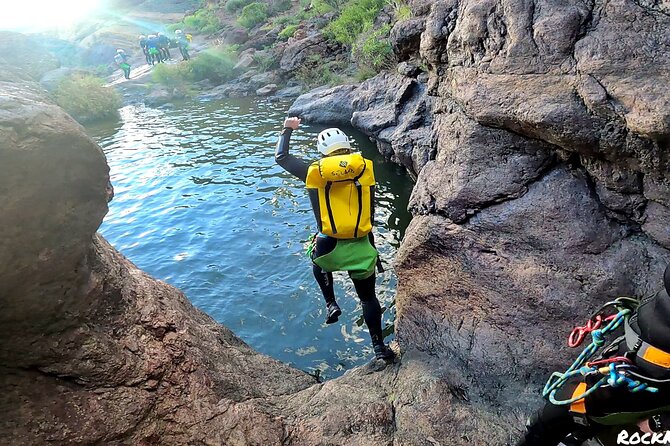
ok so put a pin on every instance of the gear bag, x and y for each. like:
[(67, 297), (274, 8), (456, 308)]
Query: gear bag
[(345, 186)]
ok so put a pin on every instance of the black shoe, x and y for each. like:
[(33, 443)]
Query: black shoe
[(382, 351), (334, 313)]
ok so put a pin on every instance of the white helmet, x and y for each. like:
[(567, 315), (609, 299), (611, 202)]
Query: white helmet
[(179, 31), (120, 51), (331, 140)]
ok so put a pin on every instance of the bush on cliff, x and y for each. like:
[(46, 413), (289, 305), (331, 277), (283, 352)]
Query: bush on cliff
[(287, 32), (373, 49), (86, 98), (236, 5), (215, 64), (253, 14), (356, 16), (315, 72), (202, 21)]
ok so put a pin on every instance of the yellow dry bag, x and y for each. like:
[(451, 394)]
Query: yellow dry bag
[(345, 185)]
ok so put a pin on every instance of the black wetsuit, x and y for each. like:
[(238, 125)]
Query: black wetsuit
[(143, 45), (164, 46), (550, 425), (372, 313)]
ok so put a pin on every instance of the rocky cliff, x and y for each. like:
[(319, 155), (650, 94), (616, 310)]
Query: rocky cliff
[(539, 135)]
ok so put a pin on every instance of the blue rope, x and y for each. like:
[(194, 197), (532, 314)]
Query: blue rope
[(616, 378), (557, 379)]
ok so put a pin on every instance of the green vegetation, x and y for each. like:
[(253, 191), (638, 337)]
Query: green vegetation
[(235, 5), (401, 9), (404, 12), (288, 32), (365, 73), (86, 98), (253, 14), (372, 49), (279, 6), (316, 73), (356, 17), (320, 7), (202, 21), (265, 62), (215, 64), (286, 20)]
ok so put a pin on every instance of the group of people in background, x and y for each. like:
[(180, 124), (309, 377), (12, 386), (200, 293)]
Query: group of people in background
[(156, 49)]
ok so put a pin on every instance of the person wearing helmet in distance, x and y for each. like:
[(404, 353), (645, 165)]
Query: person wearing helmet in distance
[(121, 59), (341, 191)]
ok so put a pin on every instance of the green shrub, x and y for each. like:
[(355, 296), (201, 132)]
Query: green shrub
[(403, 13), (372, 49), (364, 73), (356, 16), (253, 14), (279, 6), (215, 63), (321, 7), (236, 5), (203, 21), (286, 20), (172, 75), (288, 32), (86, 98), (265, 62), (316, 73), (401, 9), (334, 5)]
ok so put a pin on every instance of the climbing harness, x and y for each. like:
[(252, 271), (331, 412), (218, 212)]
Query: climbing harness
[(615, 372)]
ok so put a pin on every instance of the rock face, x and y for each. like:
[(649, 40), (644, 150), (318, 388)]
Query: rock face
[(541, 201), (541, 142), (297, 52)]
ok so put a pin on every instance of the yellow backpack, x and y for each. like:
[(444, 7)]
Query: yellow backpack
[(345, 185)]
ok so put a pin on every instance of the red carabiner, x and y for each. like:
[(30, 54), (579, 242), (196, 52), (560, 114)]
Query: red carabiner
[(579, 333)]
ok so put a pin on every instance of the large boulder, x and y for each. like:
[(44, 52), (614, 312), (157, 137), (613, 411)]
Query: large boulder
[(325, 105), (392, 109), (235, 36), (546, 195)]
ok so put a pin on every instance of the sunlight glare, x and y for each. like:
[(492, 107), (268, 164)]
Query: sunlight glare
[(43, 14)]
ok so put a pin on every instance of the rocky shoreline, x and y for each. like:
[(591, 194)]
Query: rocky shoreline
[(539, 139)]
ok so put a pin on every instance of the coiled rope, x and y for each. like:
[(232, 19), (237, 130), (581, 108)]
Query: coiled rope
[(614, 374)]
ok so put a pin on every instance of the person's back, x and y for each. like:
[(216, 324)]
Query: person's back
[(341, 191), (152, 41)]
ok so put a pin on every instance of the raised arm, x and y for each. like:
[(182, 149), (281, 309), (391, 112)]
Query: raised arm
[(290, 163)]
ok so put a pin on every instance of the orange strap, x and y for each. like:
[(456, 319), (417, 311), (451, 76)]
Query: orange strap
[(579, 406)]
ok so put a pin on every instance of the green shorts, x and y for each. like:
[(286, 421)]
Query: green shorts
[(356, 256)]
